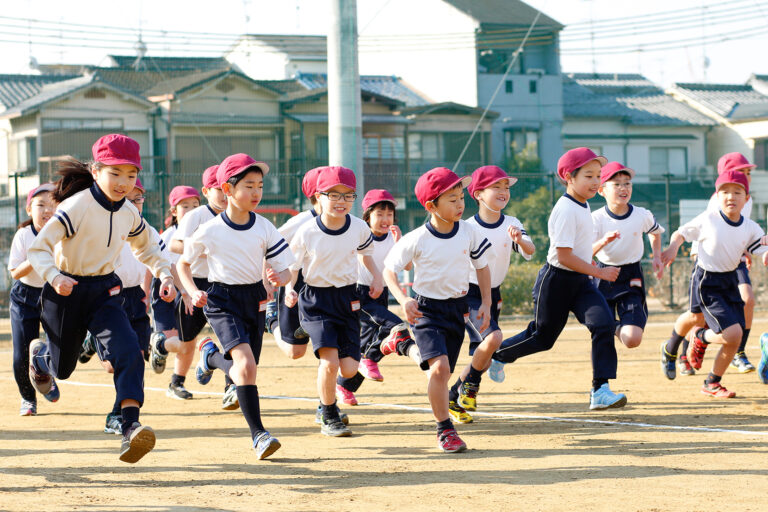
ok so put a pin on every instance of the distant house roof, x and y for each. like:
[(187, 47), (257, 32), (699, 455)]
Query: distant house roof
[(16, 88), (506, 12), (446, 108), (382, 85), (184, 83), (136, 81), (170, 63), (292, 45), (732, 101), (633, 99)]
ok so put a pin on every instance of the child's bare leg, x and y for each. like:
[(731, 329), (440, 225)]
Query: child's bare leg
[(631, 335), (437, 387), (290, 350), (326, 374)]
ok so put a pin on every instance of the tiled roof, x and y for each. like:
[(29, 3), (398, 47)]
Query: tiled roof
[(16, 88), (294, 45), (652, 108), (614, 83), (448, 108), (136, 81), (734, 101), (282, 86), (382, 85), (184, 83), (171, 63)]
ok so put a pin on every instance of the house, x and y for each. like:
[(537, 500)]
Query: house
[(278, 57)]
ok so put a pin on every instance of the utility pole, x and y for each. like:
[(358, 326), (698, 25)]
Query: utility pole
[(345, 126)]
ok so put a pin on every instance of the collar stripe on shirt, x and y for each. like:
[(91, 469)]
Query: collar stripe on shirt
[(276, 249), (484, 246), (64, 219), (366, 244)]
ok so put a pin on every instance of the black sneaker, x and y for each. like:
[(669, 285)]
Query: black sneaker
[(114, 424), (319, 415), (178, 392), (300, 333), (271, 316), (87, 349), (137, 442), (42, 382), (668, 362), (468, 396), (334, 427), (156, 358)]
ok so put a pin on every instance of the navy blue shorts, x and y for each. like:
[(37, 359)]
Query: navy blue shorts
[(743, 274), (191, 325), (626, 295), (163, 313), (331, 316), (237, 313), (716, 295), (440, 332), (288, 318), (474, 299), (376, 322), (134, 304)]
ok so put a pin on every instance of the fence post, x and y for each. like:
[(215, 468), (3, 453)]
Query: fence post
[(163, 198), (551, 177), (667, 198), (16, 199)]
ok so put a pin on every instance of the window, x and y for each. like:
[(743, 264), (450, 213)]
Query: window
[(761, 153), (26, 154), (321, 148), (509, 86), (519, 140), (664, 161), (532, 86), (384, 148), (50, 125), (424, 146)]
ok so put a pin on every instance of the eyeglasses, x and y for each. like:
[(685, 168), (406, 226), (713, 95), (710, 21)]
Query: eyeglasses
[(336, 196), (627, 185), (137, 200)]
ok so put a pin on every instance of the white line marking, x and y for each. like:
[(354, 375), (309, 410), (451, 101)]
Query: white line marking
[(477, 413)]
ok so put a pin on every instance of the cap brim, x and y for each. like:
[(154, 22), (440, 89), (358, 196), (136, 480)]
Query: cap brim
[(629, 171), (120, 162), (743, 167), (188, 196), (601, 159), (264, 168)]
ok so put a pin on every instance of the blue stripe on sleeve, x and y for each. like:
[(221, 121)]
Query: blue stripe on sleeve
[(63, 223), (366, 244), (138, 230), (481, 248), (69, 222), (476, 256), (272, 255)]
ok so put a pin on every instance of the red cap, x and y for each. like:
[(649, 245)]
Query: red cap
[(116, 149), (733, 162), (309, 183), (139, 186), (45, 187), (575, 159), (434, 182), (182, 192), (377, 195), (236, 164), (329, 177), (736, 177), (209, 177), (485, 176), (609, 170)]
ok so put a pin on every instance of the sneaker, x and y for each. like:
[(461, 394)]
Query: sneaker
[(496, 371), (157, 359), (696, 350), (468, 396), (684, 366), (137, 442), (458, 413), (346, 396), (229, 401), (300, 333), (53, 394), (716, 390), (604, 398), (87, 349), (178, 392), (114, 424), (398, 334), (741, 363), (667, 362), (42, 382), (28, 408), (334, 428), (265, 445), (370, 370), (762, 367), (450, 442), (271, 316), (203, 372), (319, 415)]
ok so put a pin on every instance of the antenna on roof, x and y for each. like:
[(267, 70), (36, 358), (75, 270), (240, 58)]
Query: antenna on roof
[(33, 64), (140, 47)]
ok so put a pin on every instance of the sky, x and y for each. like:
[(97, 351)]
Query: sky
[(607, 36)]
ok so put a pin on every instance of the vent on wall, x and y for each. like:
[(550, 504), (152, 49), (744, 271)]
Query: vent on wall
[(224, 86), (95, 94)]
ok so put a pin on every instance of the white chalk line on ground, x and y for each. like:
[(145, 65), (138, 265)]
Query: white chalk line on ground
[(479, 413)]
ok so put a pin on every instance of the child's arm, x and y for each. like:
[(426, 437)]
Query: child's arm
[(291, 297), (176, 246), (377, 285), (609, 237), (658, 267), (197, 296), (397, 235), (566, 257), (409, 304), (669, 255), (22, 270), (523, 241), (484, 282)]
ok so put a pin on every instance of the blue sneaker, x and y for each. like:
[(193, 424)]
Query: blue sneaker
[(668, 362), (53, 395), (604, 398), (265, 445), (203, 372), (496, 371), (41, 381), (271, 316), (762, 368)]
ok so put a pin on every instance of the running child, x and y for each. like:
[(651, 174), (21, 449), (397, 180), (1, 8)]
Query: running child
[(381, 331), (564, 285), (236, 243), (724, 236), (25, 295), (82, 292), (490, 189), (444, 251), (329, 307)]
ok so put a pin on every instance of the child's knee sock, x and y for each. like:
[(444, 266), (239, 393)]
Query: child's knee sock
[(248, 395)]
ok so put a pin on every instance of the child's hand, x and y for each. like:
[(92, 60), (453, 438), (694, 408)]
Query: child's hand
[(668, 256), (765, 259), (189, 306), (63, 284), (515, 234), (484, 313), (377, 286), (609, 273), (272, 276), (167, 290), (291, 298), (198, 298), (396, 233), (270, 290), (411, 310), (611, 236), (658, 266)]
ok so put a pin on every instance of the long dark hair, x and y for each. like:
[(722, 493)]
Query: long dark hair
[(75, 177), (24, 224)]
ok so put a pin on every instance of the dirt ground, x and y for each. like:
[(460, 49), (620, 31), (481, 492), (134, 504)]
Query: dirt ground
[(535, 446)]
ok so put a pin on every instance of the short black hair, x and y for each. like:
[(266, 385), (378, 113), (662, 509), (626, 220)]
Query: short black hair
[(237, 178), (384, 205), (458, 185)]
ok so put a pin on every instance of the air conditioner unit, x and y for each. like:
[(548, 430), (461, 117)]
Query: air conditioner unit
[(704, 175), (535, 71)]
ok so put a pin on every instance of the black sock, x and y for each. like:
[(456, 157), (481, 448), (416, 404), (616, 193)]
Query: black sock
[(744, 338), (701, 334), (351, 384), (673, 343), (161, 346), (712, 379), (130, 416), (177, 380), (248, 395), (403, 346), (116, 407), (596, 383), (227, 379), (685, 347), (453, 392), (330, 412), (474, 376), (217, 360), (444, 425)]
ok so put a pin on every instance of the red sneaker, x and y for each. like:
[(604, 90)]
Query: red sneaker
[(450, 442), (717, 390), (345, 395), (370, 370), (396, 335), (696, 350)]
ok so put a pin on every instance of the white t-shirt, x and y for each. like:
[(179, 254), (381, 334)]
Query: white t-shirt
[(166, 237), (187, 227), (328, 258), (129, 269), (631, 227), (570, 225), (288, 230), (722, 241), (21, 242), (236, 252), (442, 262), (381, 247), (502, 246)]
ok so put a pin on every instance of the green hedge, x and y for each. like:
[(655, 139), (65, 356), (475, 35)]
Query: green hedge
[(516, 290)]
